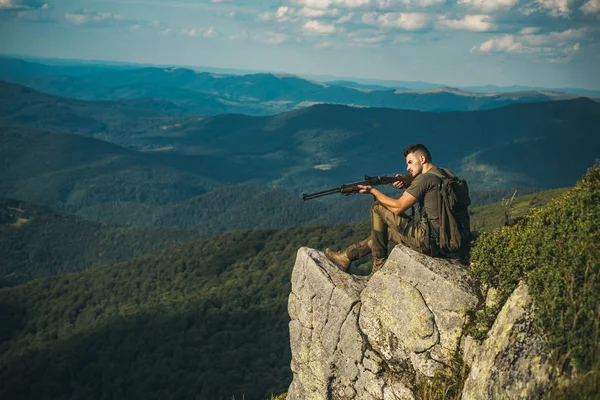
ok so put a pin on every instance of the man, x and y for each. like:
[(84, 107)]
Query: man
[(388, 218)]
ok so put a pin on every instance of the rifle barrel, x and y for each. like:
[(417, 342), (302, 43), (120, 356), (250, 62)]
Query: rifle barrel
[(352, 187), (327, 192)]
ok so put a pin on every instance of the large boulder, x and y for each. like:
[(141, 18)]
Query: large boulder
[(417, 306), (512, 363), (372, 339)]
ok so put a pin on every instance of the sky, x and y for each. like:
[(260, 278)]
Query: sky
[(548, 43)]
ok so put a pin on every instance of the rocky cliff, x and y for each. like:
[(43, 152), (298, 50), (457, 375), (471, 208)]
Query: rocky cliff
[(354, 338)]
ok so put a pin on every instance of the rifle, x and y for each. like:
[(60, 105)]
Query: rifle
[(352, 188)]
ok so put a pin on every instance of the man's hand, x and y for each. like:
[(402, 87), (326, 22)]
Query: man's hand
[(399, 184), (365, 188)]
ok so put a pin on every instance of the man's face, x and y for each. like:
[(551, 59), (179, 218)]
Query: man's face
[(414, 164)]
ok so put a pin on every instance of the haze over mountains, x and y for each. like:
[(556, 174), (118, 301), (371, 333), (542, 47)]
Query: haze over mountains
[(322, 145), (205, 93), (79, 67)]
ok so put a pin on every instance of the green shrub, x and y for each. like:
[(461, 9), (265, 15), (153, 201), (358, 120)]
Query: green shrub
[(556, 249)]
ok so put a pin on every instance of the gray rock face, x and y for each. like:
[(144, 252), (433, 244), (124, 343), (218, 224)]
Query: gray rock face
[(512, 362), (325, 341), (353, 338)]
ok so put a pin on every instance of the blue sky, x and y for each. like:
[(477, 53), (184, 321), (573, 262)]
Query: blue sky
[(550, 43)]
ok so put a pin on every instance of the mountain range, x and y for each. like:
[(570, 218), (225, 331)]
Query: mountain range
[(78, 66), (311, 148), (206, 93)]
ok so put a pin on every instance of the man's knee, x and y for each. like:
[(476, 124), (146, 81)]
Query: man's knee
[(378, 208), (375, 205)]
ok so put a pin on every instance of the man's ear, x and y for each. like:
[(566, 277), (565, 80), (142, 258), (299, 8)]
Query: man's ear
[(423, 159)]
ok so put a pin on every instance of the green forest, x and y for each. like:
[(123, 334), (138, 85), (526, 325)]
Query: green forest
[(206, 319)]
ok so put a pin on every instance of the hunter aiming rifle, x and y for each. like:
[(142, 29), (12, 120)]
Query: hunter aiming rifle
[(352, 188)]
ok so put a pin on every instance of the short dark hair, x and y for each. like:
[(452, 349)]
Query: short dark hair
[(417, 148)]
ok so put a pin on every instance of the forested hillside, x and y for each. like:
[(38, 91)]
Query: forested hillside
[(320, 146), (206, 319), (36, 242)]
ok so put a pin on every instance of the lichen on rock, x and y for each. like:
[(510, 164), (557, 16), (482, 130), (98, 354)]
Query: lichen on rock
[(354, 338)]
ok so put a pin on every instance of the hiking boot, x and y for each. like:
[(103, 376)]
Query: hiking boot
[(377, 265), (340, 258)]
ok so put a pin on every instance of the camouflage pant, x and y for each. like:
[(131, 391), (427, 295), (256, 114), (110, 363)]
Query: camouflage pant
[(386, 226)]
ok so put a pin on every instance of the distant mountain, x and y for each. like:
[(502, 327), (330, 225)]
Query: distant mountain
[(35, 242), (23, 106), (329, 143), (69, 171), (362, 86), (105, 183), (517, 88), (207, 93), (110, 184), (325, 145)]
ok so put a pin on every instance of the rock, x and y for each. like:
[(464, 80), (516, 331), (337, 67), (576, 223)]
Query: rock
[(357, 339), (396, 319), (437, 305), (512, 362), (325, 341)]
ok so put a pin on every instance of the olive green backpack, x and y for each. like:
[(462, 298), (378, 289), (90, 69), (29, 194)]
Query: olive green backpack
[(455, 223)]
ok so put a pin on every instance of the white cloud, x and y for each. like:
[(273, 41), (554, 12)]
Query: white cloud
[(92, 17), (22, 5), (283, 13), (558, 8), (344, 18), (530, 30), (555, 38), (351, 3), (39, 15), (315, 26), (409, 3), (368, 41), (319, 4), (193, 32), (476, 23), (489, 5), (555, 47), (317, 13), (502, 44), (566, 54), (325, 4), (271, 37), (407, 21), (210, 32), (591, 7)]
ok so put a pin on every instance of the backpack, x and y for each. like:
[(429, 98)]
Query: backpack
[(455, 223)]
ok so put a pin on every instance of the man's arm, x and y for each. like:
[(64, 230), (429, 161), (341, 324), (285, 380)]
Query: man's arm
[(397, 206)]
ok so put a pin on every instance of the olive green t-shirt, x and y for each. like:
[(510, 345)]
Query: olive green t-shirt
[(425, 188)]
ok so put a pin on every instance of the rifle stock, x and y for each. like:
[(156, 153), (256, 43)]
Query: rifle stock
[(352, 188)]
